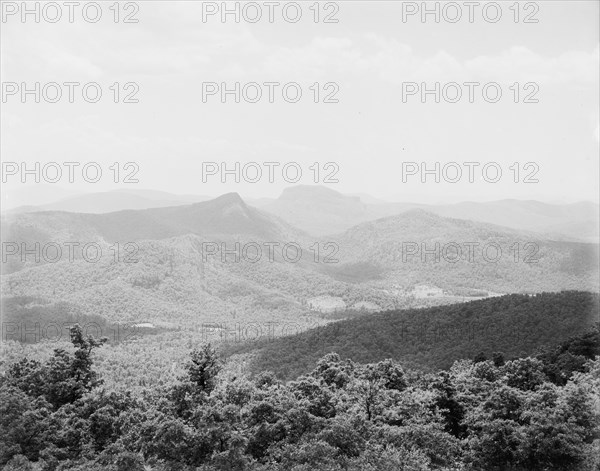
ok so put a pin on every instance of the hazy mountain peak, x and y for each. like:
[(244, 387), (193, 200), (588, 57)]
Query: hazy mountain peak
[(314, 192), (317, 209), (415, 218), (419, 213), (229, 198), (231, 205)]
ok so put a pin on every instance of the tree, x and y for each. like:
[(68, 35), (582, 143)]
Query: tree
[(68, 377), (23, 425), (498, 359), (203, 368), (332, 371), (446, 402), (64, 378), (19, 463), (524, 373), (343, 416), (479, 357)]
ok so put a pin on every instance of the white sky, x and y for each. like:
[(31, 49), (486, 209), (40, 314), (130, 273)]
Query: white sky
[(369, 53)]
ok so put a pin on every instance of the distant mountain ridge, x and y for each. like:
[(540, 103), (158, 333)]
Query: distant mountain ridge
[(108, 201), (338, 212), (320, 210), (227, 214), (174, 281), (417, 247)]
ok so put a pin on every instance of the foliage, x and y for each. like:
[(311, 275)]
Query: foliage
[(516, 325), (56, 415)]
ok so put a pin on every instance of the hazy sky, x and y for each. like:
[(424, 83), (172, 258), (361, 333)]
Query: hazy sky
[(368, 54)]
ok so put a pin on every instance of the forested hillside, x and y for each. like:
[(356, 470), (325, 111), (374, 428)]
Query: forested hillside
[(30, 320), (418, 247), (522, 414), (516, 325), (161, 272)]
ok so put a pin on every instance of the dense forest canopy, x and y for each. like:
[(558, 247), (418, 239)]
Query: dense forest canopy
[(433, 338), (482, 414)]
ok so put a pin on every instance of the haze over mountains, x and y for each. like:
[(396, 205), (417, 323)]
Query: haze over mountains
[(319, 210), (338, 212), (179, 280), (418, 245), (227, 214), (99, 202)]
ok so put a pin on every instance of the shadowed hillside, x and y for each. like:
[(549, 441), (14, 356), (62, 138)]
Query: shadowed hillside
[(517, 325)]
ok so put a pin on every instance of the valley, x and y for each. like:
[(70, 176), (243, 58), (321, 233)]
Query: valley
[(182, 269)]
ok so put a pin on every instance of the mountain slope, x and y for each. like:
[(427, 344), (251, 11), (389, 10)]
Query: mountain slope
[(109, 201), (577, 220), (418, 247), (227, 214), (516, 325), (318, 210), (176, 281), (322, 211)]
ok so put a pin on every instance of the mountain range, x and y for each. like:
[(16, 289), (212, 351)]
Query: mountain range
[(225, 215), (95, 203), (177, 280), (338, 212)]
